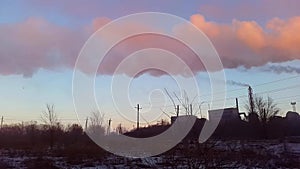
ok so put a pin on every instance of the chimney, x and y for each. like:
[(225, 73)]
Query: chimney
[(251, 101)]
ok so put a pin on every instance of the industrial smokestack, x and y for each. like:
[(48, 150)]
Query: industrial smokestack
[(251, 102)]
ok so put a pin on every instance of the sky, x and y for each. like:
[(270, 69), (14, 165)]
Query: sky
[(257, 41)]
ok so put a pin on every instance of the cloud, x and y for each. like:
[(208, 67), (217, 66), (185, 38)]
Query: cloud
[(246, 43), (281, 69), (36, 43), (239, 44), (119, 55), (97, 23)]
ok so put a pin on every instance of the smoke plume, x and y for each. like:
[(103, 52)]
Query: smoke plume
[(281, 69), (234, 83)]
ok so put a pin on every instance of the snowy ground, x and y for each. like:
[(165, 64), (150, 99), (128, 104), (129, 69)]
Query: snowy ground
[(222, 154)]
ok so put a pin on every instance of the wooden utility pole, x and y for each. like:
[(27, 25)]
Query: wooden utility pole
[(191, 109), (177, 110), (86, 124), (237, 104), (138, 108), (109, 124)]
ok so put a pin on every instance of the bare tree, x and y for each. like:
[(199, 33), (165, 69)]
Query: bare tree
[(270, 110), (96, 125), (265, 108), (185, 102), (50, 118), (170, 97)]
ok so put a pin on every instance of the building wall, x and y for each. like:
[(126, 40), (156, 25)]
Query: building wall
[(227, 114)]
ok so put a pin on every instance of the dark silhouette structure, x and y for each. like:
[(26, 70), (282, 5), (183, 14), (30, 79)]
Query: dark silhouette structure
[(232, 126)]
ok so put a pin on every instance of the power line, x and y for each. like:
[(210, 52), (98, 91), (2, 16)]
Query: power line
[(245, 96), (217, 100), (287, 97), (238, 89), (144, 119), (278, 80), (256, 85), (280, 89)]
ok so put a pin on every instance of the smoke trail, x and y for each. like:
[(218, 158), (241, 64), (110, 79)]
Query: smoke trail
[(281, 69), (234, 83)]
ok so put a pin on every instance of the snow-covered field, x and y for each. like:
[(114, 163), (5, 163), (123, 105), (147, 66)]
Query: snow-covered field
[(294, 148), (218, 154)]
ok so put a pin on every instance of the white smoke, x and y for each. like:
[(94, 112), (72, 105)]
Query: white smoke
[(234, 83), (281, 69)]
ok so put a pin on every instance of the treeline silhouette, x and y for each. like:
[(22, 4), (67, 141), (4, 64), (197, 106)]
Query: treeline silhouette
[(33, 135), (42, 140)]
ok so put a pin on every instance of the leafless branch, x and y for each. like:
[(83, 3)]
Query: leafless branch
[(49, 117)]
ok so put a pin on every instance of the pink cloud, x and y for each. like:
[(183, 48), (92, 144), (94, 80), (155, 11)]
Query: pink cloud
[(246, 43), (241, 43), (35, 43), (98, 23), (130, 45)]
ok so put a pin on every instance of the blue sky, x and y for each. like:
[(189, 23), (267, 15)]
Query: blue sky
[(41, 39)]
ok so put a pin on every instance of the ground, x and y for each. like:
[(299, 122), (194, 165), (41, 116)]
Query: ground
[(213, 154)]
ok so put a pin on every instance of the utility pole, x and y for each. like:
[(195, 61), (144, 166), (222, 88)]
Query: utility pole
[(177, 110), (1, 122), (109, 123), (237, 104), (86, 124), (200, 109), (191, 109), (138, 108)]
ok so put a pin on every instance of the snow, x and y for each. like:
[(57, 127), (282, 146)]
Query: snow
[(293, 148), (273, 150)]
